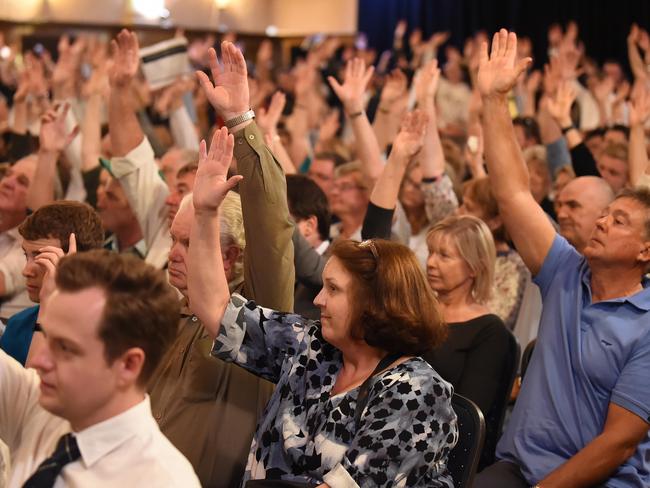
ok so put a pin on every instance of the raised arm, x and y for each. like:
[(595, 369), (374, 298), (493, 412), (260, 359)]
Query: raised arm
[(268, 256), (53, 139), (351, 94), (206, 280), (637, 153), (125, 130), (524, 219), (433, 158), (406, 146)]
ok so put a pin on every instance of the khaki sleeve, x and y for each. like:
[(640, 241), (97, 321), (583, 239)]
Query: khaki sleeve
[(269, 273)]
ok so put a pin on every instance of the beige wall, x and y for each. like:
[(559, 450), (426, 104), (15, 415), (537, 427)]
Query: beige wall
[(291, 17)]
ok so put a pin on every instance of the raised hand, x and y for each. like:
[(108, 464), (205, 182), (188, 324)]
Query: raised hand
[(498, 73), (212, 183), (639, 106), (351, 92), (53, 136), (48, 258), (268, 120), (229, 94), (426, 83), (410, 139), (560, 106), (126, 59)]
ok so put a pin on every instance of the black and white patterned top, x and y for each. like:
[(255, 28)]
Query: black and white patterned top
[(403, 438)]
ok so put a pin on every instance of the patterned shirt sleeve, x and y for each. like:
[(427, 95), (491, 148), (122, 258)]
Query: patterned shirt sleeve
[(405, 434), (439, 199), (259, 339)]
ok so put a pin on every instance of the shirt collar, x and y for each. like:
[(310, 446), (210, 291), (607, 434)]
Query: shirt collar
[(323, 247), (98, 440), (640, 299)]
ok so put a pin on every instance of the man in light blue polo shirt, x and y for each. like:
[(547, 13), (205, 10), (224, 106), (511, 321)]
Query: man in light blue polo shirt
[(583, 414)]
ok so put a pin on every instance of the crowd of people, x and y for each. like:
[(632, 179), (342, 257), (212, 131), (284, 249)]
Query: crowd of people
[(269, 274)]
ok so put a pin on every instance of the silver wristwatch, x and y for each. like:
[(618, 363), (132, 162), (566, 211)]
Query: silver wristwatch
[(240, 119)]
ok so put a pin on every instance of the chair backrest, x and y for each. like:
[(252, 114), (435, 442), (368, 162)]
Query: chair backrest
[(495, 415), (525, 358), (463, 458)]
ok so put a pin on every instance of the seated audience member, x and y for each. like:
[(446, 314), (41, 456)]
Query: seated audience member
[(118, 218), (579, 205), (190, 384), (527, 132), (183, 184), (377, 315), (47, 236), (460, 269), (322, 170), (82, 417), (581, 418), (510, 273), (133, 163), (612, 165), (348, 201), (173, 161), (308, 207), (13, 210)]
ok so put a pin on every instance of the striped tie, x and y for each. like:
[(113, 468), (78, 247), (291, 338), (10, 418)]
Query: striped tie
[(66, 452)]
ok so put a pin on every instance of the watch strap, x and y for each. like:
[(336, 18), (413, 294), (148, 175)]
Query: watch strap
[(240, 119)]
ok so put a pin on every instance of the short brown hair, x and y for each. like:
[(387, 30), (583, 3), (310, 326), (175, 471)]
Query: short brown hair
[(394, 308), (616, 150), (640, 195), (141, 310), (188, 168), (480, 191), (59, 220)]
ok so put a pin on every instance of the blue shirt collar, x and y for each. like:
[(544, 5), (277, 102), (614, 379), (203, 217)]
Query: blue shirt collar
[(640, 300)]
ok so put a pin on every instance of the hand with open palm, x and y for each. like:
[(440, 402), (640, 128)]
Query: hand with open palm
[(126, 59), (212, 183), (498, 72), (229, 94), (352, 91)]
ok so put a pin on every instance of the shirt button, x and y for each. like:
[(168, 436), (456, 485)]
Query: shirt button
[(251, 137), (194, 318), (240, 141)]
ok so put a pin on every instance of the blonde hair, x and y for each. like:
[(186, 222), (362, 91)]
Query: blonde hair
[(475, 244), (231, 227), (354, 168)]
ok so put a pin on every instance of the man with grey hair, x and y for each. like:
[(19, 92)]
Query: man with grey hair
[(208, 408), (579, 205)]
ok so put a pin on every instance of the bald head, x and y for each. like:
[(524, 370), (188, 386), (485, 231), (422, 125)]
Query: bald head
[(579, 205)]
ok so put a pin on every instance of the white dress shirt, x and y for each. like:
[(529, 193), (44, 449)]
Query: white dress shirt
[(123, 451), (12, 262), (146, 192)]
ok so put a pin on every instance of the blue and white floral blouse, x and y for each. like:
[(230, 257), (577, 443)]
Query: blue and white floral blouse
[(403, 437)]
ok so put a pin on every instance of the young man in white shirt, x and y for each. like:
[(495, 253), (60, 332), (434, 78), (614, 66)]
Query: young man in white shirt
[(87, 420)]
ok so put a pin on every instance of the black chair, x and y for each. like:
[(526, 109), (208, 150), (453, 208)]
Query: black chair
[(464, 457), (525, 358), (494, 417)]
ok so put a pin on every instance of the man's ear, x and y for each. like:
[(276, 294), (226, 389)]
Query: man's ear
[(129, 366), (312, 225), (644, 254), (230, 256)]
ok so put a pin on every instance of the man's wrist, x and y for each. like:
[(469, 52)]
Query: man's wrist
[(231, 114)]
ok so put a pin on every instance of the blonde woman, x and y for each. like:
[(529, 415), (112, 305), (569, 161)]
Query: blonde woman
[(460, 269)]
